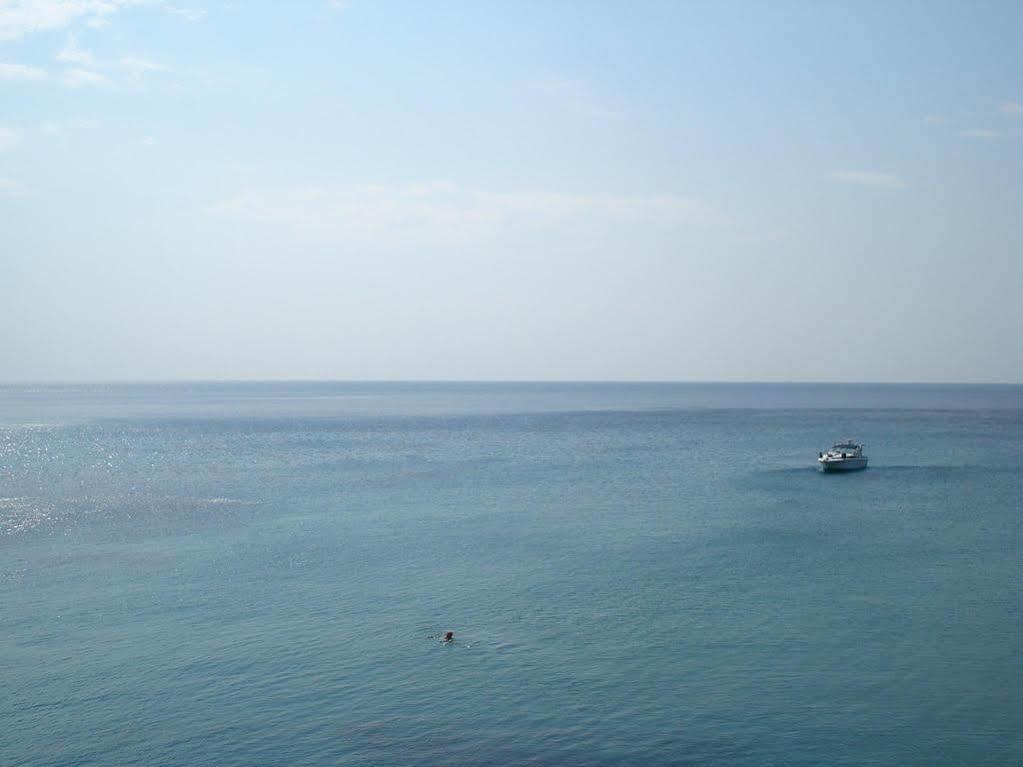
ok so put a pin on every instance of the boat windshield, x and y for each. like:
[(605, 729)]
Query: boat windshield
[(847, 446)]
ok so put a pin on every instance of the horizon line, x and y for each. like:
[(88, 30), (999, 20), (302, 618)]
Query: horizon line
[(618, 381)]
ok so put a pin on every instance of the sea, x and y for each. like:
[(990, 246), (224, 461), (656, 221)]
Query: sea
[(259, 574)]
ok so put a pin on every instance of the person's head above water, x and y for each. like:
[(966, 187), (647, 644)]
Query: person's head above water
[(449, 636)]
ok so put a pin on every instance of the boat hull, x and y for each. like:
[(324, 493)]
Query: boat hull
[(847, 464)]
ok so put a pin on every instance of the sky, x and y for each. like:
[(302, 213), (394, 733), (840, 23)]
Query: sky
[(708, 191)]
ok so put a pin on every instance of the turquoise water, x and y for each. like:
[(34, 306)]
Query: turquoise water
[(254, 574)]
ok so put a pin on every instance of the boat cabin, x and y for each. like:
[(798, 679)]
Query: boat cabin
[(847, 448)]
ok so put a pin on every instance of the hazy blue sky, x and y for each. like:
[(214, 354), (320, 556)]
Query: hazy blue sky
[(511, 190)]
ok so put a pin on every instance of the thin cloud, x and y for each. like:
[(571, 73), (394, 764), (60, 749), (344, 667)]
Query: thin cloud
[(189, 14), (12, 188), (870, 178), (21, 72), (444, 213), (77, 78), (72, 53), (86, 72), (576, 95), (1012, 108), (9, 139), (63, 129), (19, 18), (981, 133), (139, 65)]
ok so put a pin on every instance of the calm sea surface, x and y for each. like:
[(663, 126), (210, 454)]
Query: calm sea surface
[(255, 574)]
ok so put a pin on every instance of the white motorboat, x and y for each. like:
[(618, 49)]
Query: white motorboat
[(845, 456)]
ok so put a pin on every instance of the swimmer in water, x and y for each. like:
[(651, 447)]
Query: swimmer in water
[(449, 637)]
